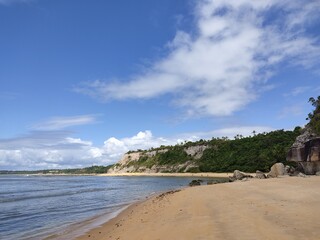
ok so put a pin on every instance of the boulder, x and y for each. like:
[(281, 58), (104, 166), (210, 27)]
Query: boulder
[(195, 183), (260, 175), (309, 168), (238, 175), (318, 173), (277, 170)]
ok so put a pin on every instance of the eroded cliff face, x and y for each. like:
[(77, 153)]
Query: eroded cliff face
[(129, 163), (196, 151), (306, 152)]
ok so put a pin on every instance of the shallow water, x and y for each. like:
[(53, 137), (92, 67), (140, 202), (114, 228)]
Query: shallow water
[(34, 207)]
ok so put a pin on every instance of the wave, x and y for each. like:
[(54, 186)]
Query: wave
[(59, 194)]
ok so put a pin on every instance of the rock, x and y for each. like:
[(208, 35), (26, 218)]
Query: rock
[(306, 152), (306, 136), (318, 173), (196, 151), (277, 170), (310, 168), (210, 182), (289, 170), (237, 175), (260, 175), (302, 175), (232, 179), (195, 183)]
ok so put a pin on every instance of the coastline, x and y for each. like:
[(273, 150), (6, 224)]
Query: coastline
[(142, 174), (280, 208)]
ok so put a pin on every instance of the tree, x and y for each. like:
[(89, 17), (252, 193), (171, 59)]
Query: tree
[(314, 116)]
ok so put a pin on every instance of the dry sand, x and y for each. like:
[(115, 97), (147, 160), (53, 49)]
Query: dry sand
[(282, 208)]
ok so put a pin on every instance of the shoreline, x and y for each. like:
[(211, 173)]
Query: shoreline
[(279, 208), (202, 174), (77, 229)]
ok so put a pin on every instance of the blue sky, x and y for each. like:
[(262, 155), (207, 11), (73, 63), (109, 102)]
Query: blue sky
[(82, 82)]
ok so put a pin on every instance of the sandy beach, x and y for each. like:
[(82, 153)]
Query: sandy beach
[(281, 208)]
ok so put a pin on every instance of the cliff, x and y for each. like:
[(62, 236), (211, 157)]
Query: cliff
[(180, 159)]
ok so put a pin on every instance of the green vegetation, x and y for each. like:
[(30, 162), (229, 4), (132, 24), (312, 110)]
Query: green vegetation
[(171, 155), (314, 116), (144, 161), (174, 155), (193, 170), (249, 154)]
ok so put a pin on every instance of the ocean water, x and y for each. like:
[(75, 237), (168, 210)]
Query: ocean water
[(37, 207)]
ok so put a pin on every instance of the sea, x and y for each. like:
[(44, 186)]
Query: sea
[(63, 207)]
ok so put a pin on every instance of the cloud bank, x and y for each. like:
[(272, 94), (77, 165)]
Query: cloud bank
[(237, 46), (56, 149)]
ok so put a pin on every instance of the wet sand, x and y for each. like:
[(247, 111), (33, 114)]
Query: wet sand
[(282, 208)]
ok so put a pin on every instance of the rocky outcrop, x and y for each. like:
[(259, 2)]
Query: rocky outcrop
[(306, 152)]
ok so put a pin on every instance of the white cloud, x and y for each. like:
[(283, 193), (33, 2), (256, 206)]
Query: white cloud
[(220, 69), (41, 150), (58, 123)]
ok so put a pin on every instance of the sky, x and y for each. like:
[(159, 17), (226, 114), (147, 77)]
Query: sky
[(82, 82)]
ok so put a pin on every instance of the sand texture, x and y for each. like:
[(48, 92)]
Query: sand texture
[(282, 208)]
